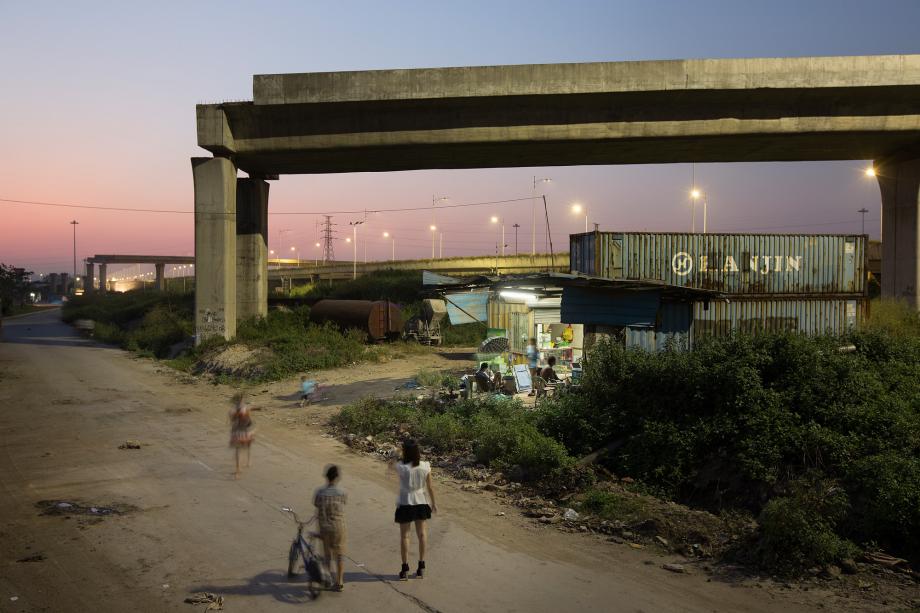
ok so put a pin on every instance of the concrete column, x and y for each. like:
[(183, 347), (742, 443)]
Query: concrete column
[(215, 247), (103, 279), (899, 182), (160, 283), (251, 248), (89, 275)]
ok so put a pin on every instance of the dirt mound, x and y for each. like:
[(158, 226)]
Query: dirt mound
[(236, 360)]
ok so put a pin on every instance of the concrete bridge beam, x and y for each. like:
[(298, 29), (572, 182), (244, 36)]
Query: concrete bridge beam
[(160, 283), (251, 248), (899, 182), (215, 247)]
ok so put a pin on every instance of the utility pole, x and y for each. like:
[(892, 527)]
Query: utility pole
[(516, 226), (863, 210), (75, 223)]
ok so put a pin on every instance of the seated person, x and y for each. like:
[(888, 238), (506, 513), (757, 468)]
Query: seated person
[(484, 378), (548, 373)]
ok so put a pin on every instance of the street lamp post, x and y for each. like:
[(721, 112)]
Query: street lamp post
[(533, 213), (863, 211), (871, 173), (75, 223), (316, 258), (516, 226), (578, 209), (496, 220), (433, 229), (354, 245), (696, 194)]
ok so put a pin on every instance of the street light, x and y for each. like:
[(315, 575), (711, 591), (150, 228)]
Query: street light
[(74, 223), (533, 213), (863, 210), (392, 245), (496, 220), (354, 244), (316, 259), (871, 173), (696, 194), (578, 209)]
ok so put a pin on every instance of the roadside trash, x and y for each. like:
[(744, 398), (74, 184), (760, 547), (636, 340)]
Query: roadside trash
[(130, 445), (570, 515), (410, 385), (63, 507), (674, 568), (637, 546), (38, 557), (214, 601), (14, 598), (500, 514)]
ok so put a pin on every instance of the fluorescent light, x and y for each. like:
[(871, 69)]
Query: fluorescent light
[(512, 295)]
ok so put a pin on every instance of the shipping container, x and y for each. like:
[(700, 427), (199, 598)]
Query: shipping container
[(809, 316), (736, 264)]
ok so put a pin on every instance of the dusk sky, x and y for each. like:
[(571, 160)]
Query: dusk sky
[(98, 108)]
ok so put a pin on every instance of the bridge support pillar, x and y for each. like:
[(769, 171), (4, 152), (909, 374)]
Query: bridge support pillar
[(251, 248), (899, 182), (103, 279), (89, 278), (215, 247), (160, 283)]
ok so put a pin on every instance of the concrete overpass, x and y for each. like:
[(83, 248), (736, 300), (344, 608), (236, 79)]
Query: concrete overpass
[(159, 263), (468, 265), (774, 109)]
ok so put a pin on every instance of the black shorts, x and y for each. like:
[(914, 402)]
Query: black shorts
[(408, 513)]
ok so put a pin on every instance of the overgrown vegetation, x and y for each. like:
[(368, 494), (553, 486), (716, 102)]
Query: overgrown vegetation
[(147, 322), (741, 422), (500, 433)]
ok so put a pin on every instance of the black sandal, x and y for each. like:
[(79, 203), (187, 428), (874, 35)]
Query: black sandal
[(420, 572), (404, 573)]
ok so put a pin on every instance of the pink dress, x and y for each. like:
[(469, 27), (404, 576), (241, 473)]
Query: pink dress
[(241, 430)]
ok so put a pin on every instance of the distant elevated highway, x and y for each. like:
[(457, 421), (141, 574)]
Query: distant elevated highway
[(466, 265)]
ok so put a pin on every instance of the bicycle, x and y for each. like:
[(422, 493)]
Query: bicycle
[(305, 549)]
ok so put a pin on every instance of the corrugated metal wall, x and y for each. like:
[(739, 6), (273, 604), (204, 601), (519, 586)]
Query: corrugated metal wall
[(500, 313), (672, 328), (731, 263), (811, 316)]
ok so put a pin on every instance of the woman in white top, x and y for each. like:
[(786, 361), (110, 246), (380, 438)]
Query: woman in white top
[(414, 505)]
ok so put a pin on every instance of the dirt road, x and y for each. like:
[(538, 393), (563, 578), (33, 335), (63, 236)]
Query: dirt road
[(66, 404)]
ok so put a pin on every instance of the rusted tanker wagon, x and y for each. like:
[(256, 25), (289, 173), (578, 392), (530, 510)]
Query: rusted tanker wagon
[(382, 320)]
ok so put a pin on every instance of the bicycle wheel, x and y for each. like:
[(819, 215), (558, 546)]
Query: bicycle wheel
[(293, 556)]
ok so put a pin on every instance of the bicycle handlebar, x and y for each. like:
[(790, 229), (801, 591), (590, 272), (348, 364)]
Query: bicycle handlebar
[(296, 518)]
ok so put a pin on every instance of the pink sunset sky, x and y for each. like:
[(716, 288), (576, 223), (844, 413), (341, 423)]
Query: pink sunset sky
[(99, 109)]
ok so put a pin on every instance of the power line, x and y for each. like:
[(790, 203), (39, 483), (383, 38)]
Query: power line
[(355, 212)]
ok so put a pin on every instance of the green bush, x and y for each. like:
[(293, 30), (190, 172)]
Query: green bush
[(443, 432), (798, 531), (725, 426), (373, 416), (614, 505), (510, 439)]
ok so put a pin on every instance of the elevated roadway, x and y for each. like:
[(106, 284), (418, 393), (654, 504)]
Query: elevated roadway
[(726, 110)]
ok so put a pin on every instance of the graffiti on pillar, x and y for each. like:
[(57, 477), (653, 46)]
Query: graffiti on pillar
[(211, 323)]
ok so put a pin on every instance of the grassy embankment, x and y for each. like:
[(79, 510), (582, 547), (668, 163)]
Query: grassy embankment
[(821, 446), (283, 345)]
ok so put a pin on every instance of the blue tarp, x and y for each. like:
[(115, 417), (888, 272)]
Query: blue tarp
[(467, 308), (610, 308)]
